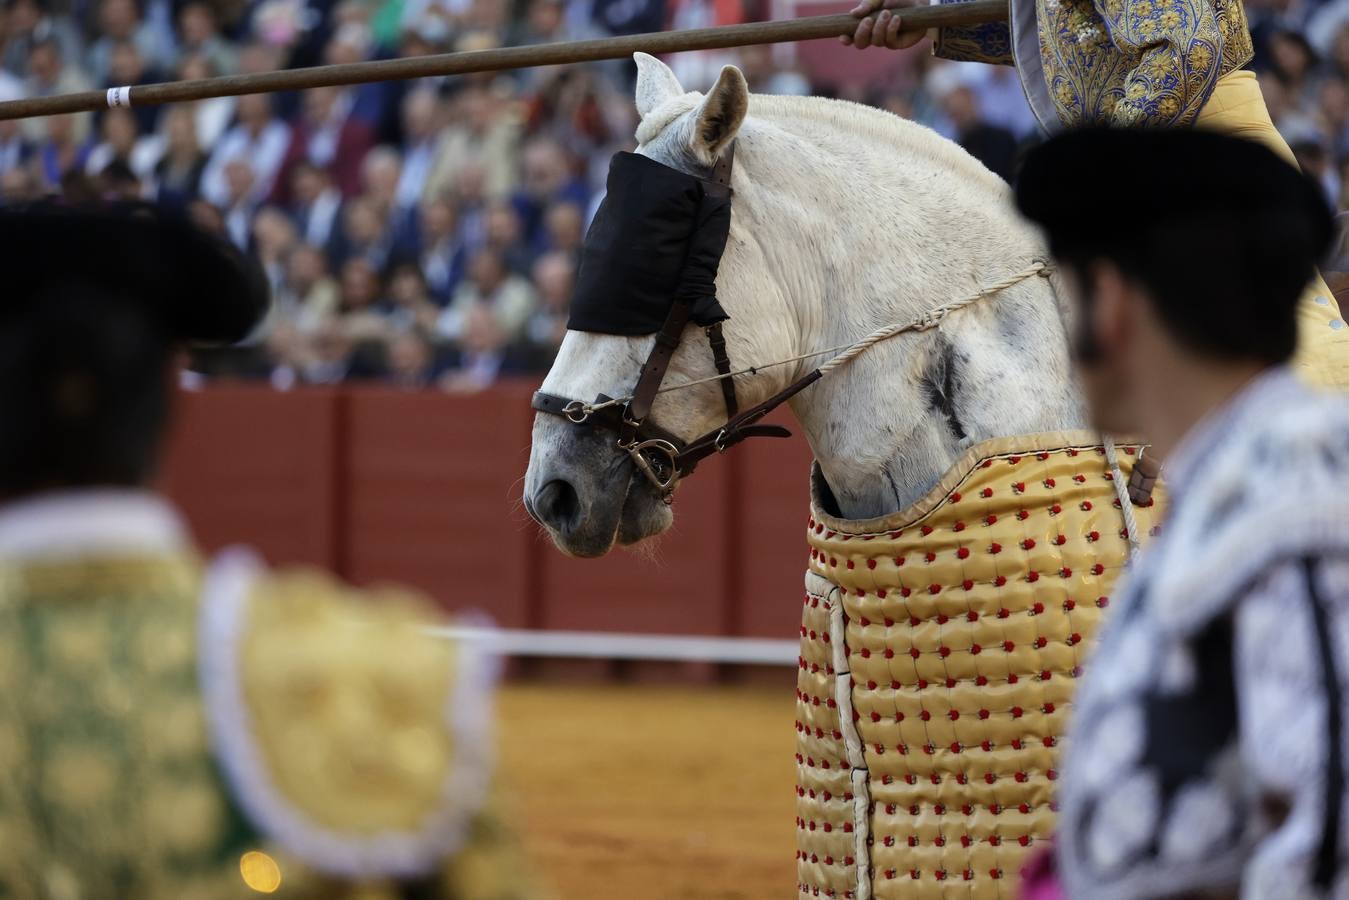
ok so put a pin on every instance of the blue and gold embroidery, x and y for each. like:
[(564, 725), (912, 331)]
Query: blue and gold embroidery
[(1122, 62), (988, 43)]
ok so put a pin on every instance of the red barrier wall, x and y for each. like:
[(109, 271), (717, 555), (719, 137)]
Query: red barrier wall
[(252, 466), (431, 494), (423, 489), (772, 506)]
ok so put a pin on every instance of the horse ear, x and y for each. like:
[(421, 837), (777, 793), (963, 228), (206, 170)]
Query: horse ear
[(720, 115), (656, 83)]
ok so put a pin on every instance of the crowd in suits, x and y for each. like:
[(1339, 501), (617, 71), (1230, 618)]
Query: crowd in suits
[(428, 232)]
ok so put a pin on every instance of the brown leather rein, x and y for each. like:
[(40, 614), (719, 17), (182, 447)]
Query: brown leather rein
[(663, 458)]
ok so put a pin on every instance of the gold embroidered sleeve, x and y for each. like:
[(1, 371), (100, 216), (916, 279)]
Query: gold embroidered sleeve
[(1177, 46), (987, 43), (353, 737)]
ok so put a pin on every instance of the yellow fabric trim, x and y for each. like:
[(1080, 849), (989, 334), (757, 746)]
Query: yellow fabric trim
[(960, 470), (347, 698), (968, 618), (1238, 108), (106, 781), (175, 575), (990, 43)]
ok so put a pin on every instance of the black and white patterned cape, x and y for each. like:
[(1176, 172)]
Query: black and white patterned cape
[(1207, 753)]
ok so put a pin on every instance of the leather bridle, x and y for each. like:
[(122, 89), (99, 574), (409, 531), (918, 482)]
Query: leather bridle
[(663, 458)]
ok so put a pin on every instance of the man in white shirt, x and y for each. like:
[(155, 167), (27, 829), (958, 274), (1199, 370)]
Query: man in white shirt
[(257, 138)]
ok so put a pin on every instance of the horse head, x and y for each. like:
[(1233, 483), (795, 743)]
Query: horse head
[(580, 486)]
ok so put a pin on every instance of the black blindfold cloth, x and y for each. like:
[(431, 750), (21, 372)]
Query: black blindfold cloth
[(657, 239)]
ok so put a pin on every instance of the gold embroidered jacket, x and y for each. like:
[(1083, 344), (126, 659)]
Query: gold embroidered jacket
[(169, 733), (1112, 62)]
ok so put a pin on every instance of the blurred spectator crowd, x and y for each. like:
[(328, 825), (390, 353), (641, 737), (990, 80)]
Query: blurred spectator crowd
[(428, 232)]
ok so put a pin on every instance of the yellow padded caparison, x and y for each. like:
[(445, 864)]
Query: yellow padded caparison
[(967, 619)]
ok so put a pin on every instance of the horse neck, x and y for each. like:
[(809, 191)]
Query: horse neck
[(897, 222)]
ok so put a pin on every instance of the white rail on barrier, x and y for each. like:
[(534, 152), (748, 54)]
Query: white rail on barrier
[(607, 645)]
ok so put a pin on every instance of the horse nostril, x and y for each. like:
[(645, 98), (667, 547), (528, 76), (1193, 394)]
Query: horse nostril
[(557, 505)]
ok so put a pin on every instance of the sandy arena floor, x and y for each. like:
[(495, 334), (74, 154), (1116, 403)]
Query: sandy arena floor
[(659, 793)]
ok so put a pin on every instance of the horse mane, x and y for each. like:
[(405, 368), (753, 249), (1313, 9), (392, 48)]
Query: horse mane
[(878, 125)]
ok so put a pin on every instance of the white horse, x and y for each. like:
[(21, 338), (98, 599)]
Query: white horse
[(845, 219)]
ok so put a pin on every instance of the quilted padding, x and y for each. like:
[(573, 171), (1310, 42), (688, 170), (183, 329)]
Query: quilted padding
[(959, 629)]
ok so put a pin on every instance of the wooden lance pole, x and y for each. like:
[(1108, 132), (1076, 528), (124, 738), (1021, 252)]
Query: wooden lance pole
[(974, 12)]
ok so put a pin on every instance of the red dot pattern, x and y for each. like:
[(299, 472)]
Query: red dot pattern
[(966, 630)]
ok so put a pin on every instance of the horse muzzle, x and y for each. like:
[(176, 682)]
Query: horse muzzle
[(581, 488)]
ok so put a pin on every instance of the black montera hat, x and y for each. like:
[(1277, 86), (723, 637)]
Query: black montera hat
[(93, 304), (1223, 233), (196, 285), (1114, 188)]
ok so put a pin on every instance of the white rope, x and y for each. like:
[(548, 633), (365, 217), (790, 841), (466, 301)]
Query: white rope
[(1126, 505), (931, 319), (846, 353)]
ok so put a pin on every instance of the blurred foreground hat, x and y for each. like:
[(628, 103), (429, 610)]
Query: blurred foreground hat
[(1223, 233), (196, 285), (94, 302), (1116, 192)]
